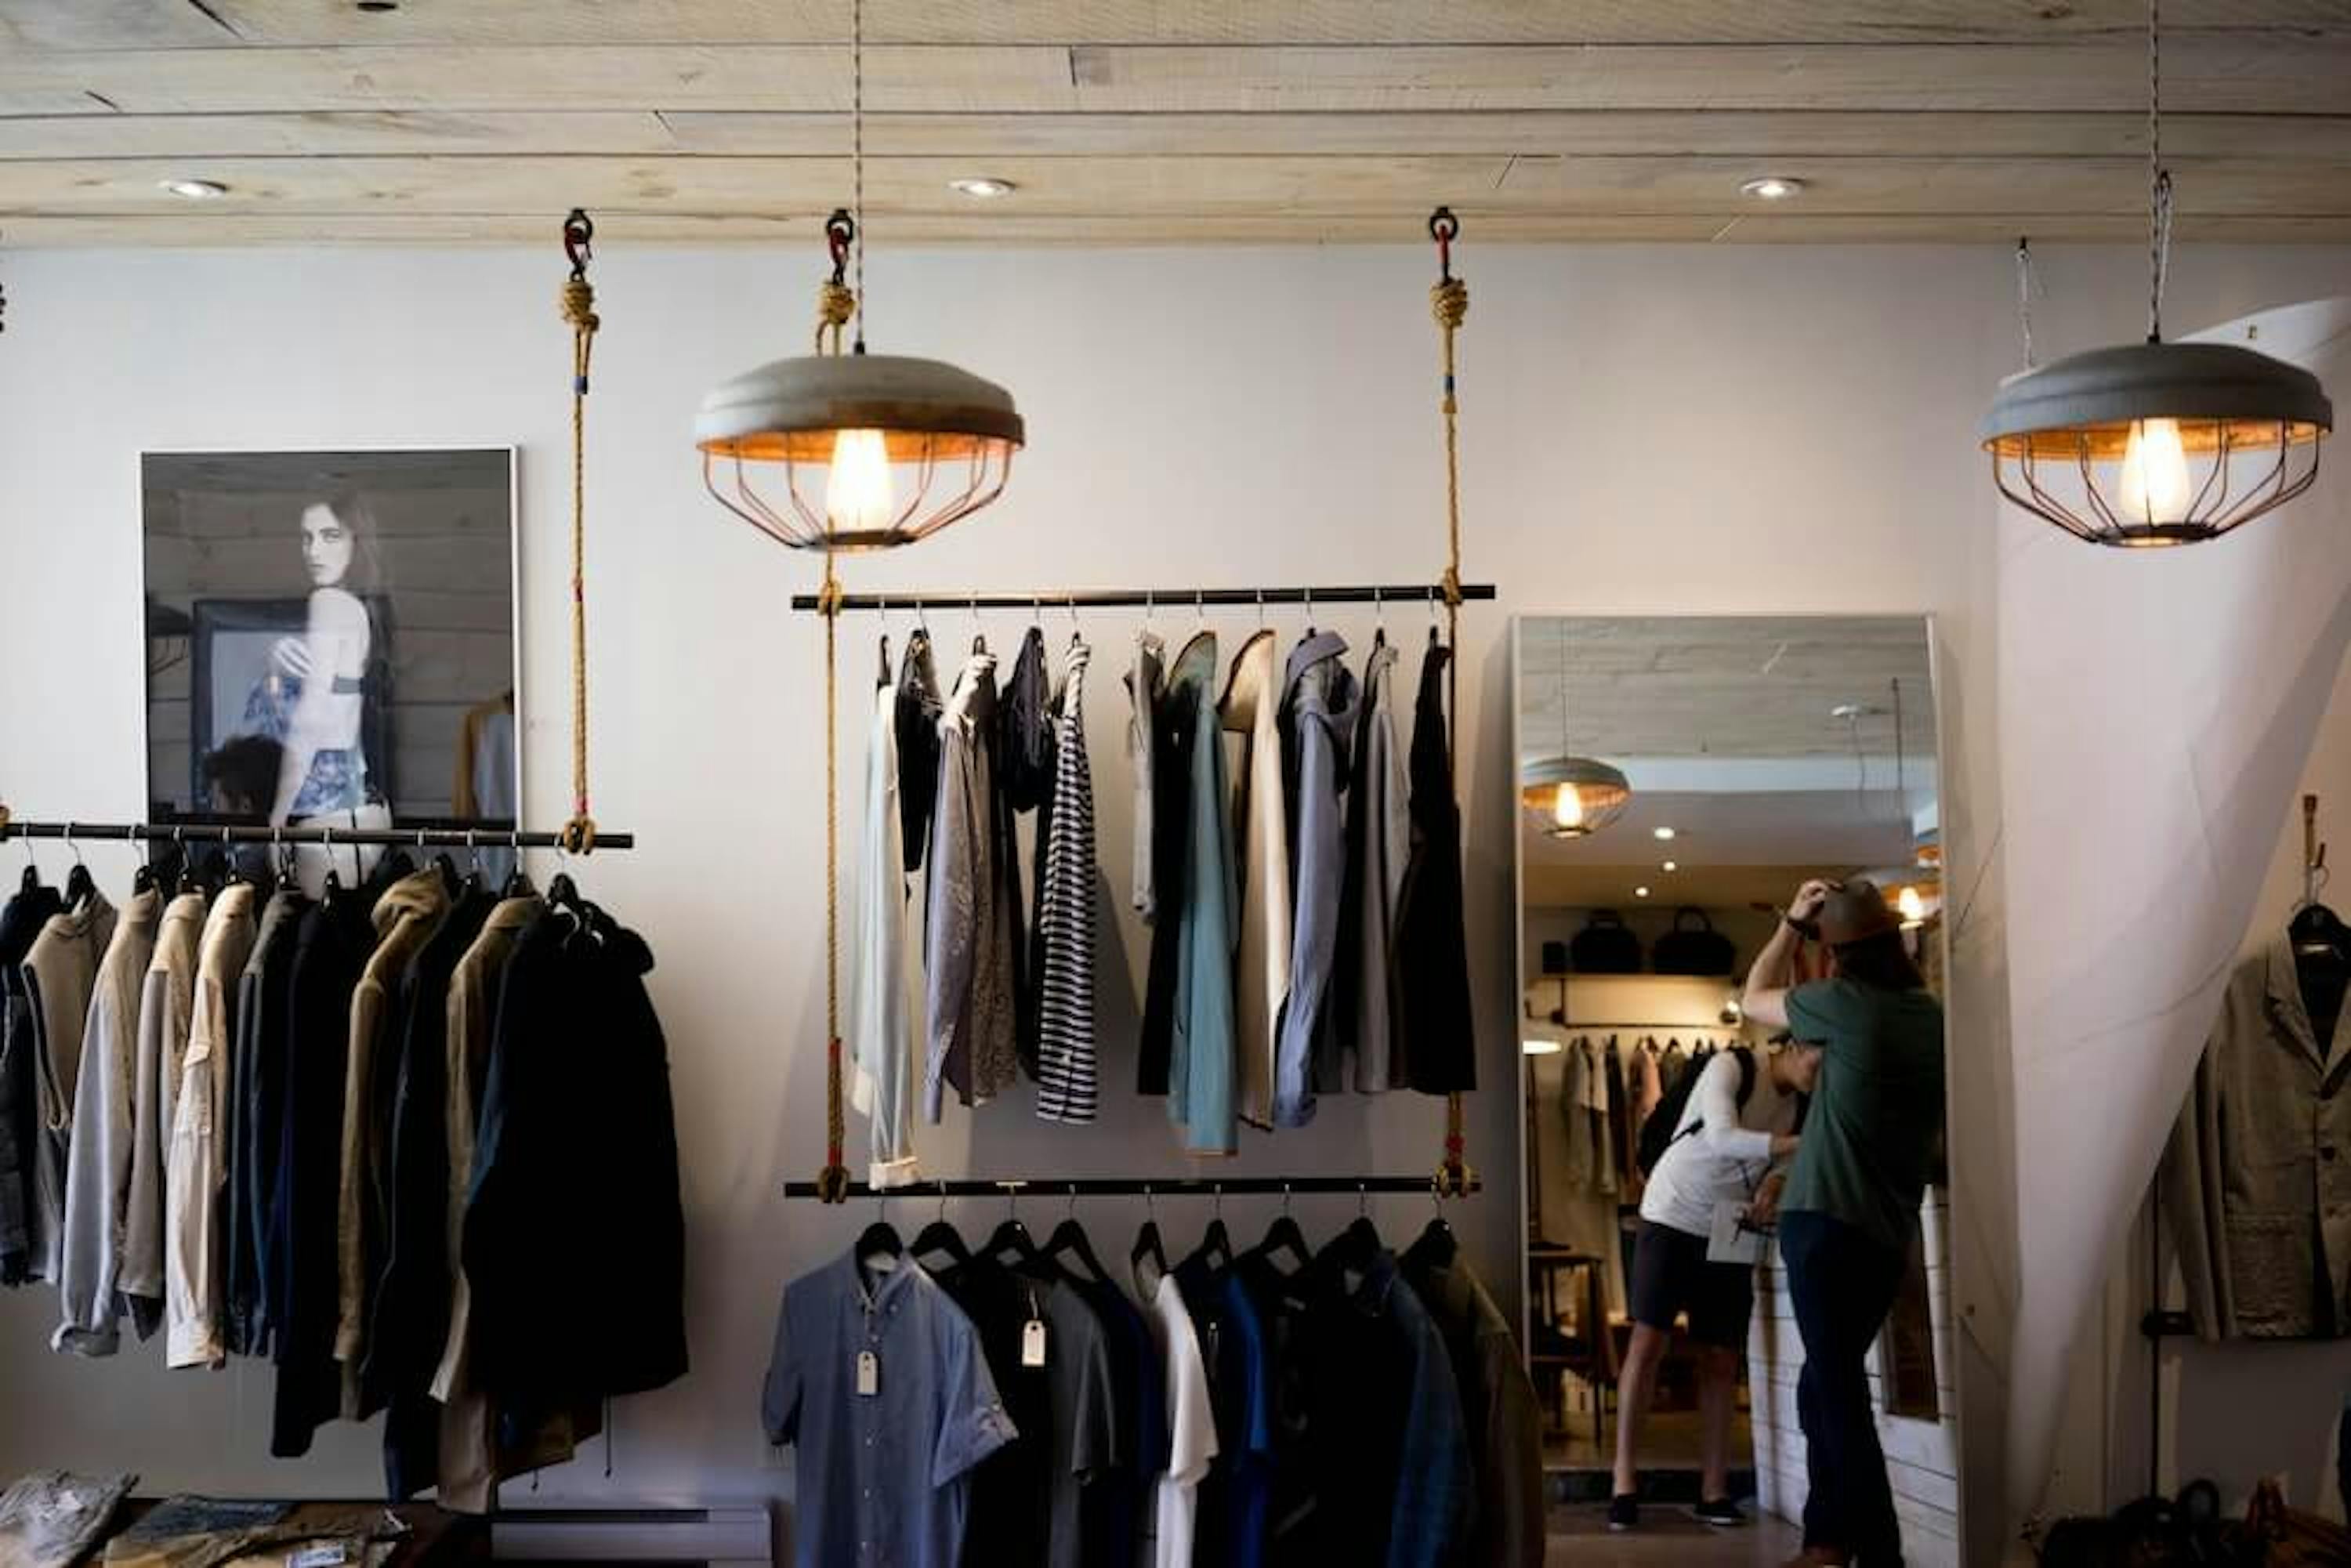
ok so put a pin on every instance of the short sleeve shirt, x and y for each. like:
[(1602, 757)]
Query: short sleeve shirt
[(883, 1477), (1876, 1117)]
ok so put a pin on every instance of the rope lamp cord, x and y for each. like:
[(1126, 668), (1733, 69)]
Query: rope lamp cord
[(579, 834), (836, 305), (1448, 302)]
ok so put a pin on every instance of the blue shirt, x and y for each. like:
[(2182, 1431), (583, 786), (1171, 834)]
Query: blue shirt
[(882, 1477), (1235, 1498)]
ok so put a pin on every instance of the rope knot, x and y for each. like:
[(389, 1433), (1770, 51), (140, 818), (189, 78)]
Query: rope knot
[(832, 1184), (836, 302), (578, 835), (579, 305), (1449, 302), (1451, 585), (4, 822), (828, 597)]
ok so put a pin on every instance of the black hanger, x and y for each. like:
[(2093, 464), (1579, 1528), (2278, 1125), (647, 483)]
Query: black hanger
[(2318, 932), (1069, 1239), (1354, 1248), (1215, 1247), (80, 887), (31, 881), (1012, 1245), (518, 883), (1284, 1235), (1147, 1249), (940, 1237), (879, 1239), (1438, 1244)]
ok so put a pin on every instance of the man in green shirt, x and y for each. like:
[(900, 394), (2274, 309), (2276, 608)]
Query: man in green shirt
[(1851, 1202)]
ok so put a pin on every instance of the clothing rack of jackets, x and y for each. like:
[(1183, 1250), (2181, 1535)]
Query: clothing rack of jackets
[(203, 833), (385, 1139), (1284, 888), (1010, 1398), (1131, 1186)]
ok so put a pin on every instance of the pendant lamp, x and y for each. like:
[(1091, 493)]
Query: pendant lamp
[(2155, 444), (838, 452), (1572, 797)]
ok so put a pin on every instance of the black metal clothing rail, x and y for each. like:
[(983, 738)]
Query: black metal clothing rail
[(1400, 594), (1138, 1186), (243, 833)]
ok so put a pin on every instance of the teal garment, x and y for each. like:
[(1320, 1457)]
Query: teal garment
[(1876, 1120), (1200, 1054)]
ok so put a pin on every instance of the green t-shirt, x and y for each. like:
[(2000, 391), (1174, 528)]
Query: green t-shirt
[(1877, 1118)]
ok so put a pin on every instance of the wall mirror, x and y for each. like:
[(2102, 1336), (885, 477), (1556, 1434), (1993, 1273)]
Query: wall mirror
[(1681, 778)]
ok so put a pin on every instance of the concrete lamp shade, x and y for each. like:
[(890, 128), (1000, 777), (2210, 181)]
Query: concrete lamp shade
[(1573, 797), (934, 444), (2157, 443)]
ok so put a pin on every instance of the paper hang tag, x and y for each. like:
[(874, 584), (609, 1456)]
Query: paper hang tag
[(1032, 1343), (868, 1374)]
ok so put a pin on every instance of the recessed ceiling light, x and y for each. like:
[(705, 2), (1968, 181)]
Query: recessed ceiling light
[(195, 190), (983, 188), (1640, 892), (1772, 188), (1665, 835), (1671, 866), (379, 5)]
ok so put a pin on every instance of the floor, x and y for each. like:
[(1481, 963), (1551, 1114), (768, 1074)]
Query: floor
[(1670, 1440), (1580, 1538)]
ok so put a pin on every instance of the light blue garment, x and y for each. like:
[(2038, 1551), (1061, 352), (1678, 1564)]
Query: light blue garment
[(1200, 1055), (1318, 725), (883, 1478), (880, 1022)]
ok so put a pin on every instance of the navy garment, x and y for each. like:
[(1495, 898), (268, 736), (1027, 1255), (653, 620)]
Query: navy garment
[(1282, 1303), (1115, 1502), (257, 1124), (574, 1233), (1842, 1284), (408, 1316), (20, 1124), (884, 1478), (1174, 727), (331, 949), (1232, 1514), (1430, 961), (1389, 1451)]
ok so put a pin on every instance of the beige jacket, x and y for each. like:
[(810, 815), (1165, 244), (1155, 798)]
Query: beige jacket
[(2257, 1178), (405, 918), (195, 1254), (166, 1017), (1262, 831)]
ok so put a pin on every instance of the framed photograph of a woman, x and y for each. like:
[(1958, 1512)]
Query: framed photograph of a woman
[(344, 625)]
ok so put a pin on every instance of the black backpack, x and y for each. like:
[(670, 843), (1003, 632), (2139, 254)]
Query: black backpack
[(1605, 946), (1657, 1133), (1701, 952)]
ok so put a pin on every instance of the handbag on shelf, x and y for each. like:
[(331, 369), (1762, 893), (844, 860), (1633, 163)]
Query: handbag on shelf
[(1702, 951), (1605, 947)]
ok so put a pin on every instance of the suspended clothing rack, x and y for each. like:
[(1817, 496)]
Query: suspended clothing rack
[(1136, 1187), (245, 833), (1401, 594)]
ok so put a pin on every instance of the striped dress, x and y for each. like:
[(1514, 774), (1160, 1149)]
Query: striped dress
[(1067, 1074)]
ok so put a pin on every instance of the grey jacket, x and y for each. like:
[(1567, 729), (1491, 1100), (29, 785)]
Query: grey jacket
[(105, 1141), (60, 971), (2257, 1178), (1379, 840), (1317, 723), (1142, 684), (969, 936)]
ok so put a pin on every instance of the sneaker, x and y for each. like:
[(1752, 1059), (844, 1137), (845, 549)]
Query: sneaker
[(1624, 1511), (1722, 1513)]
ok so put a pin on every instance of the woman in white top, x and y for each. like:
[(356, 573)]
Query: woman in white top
[(1731, 1144)]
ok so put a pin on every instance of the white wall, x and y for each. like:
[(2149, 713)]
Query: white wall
[(1645, 430)]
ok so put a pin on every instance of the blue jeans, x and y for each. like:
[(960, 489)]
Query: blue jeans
[(1843, 1285)]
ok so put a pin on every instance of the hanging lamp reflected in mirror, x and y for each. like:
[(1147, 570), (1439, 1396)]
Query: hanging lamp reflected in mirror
[(837, 452), (1572, 797), (2150, 445)]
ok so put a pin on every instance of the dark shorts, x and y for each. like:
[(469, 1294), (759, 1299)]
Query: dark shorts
[(1671, 1276)]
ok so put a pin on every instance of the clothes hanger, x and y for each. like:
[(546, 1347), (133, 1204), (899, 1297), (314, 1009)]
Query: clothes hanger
[(1438, 1244), (1310, 613), (1069, 1239), (1379, 620), (1354, 1248), (880, 1239), (1215, 1251), (1011, 1245), (1284, 1235), (941, 1238), (80, 886), (1147, 1249), (31, 881), (334, 883), (978, 635), (287, 881)]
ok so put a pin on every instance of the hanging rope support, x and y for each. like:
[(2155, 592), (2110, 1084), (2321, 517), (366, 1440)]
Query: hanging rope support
[(836, 302), (579, 834), (1448, 302), (832, 1182)]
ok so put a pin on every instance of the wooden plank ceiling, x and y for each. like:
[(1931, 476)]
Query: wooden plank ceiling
[(1167, 120)]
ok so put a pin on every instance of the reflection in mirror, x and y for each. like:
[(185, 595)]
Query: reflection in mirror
[(1733, 1121)]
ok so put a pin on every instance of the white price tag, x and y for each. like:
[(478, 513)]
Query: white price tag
[(1032, 1343), (868, 1374)]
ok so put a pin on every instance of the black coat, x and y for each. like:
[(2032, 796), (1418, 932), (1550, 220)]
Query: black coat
[(1431, 954), (574, 1235)]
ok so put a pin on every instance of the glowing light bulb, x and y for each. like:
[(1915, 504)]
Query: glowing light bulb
[(1539, 1045), (2154, 486), (1567, 807), (1912, 908), (858, 495)]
